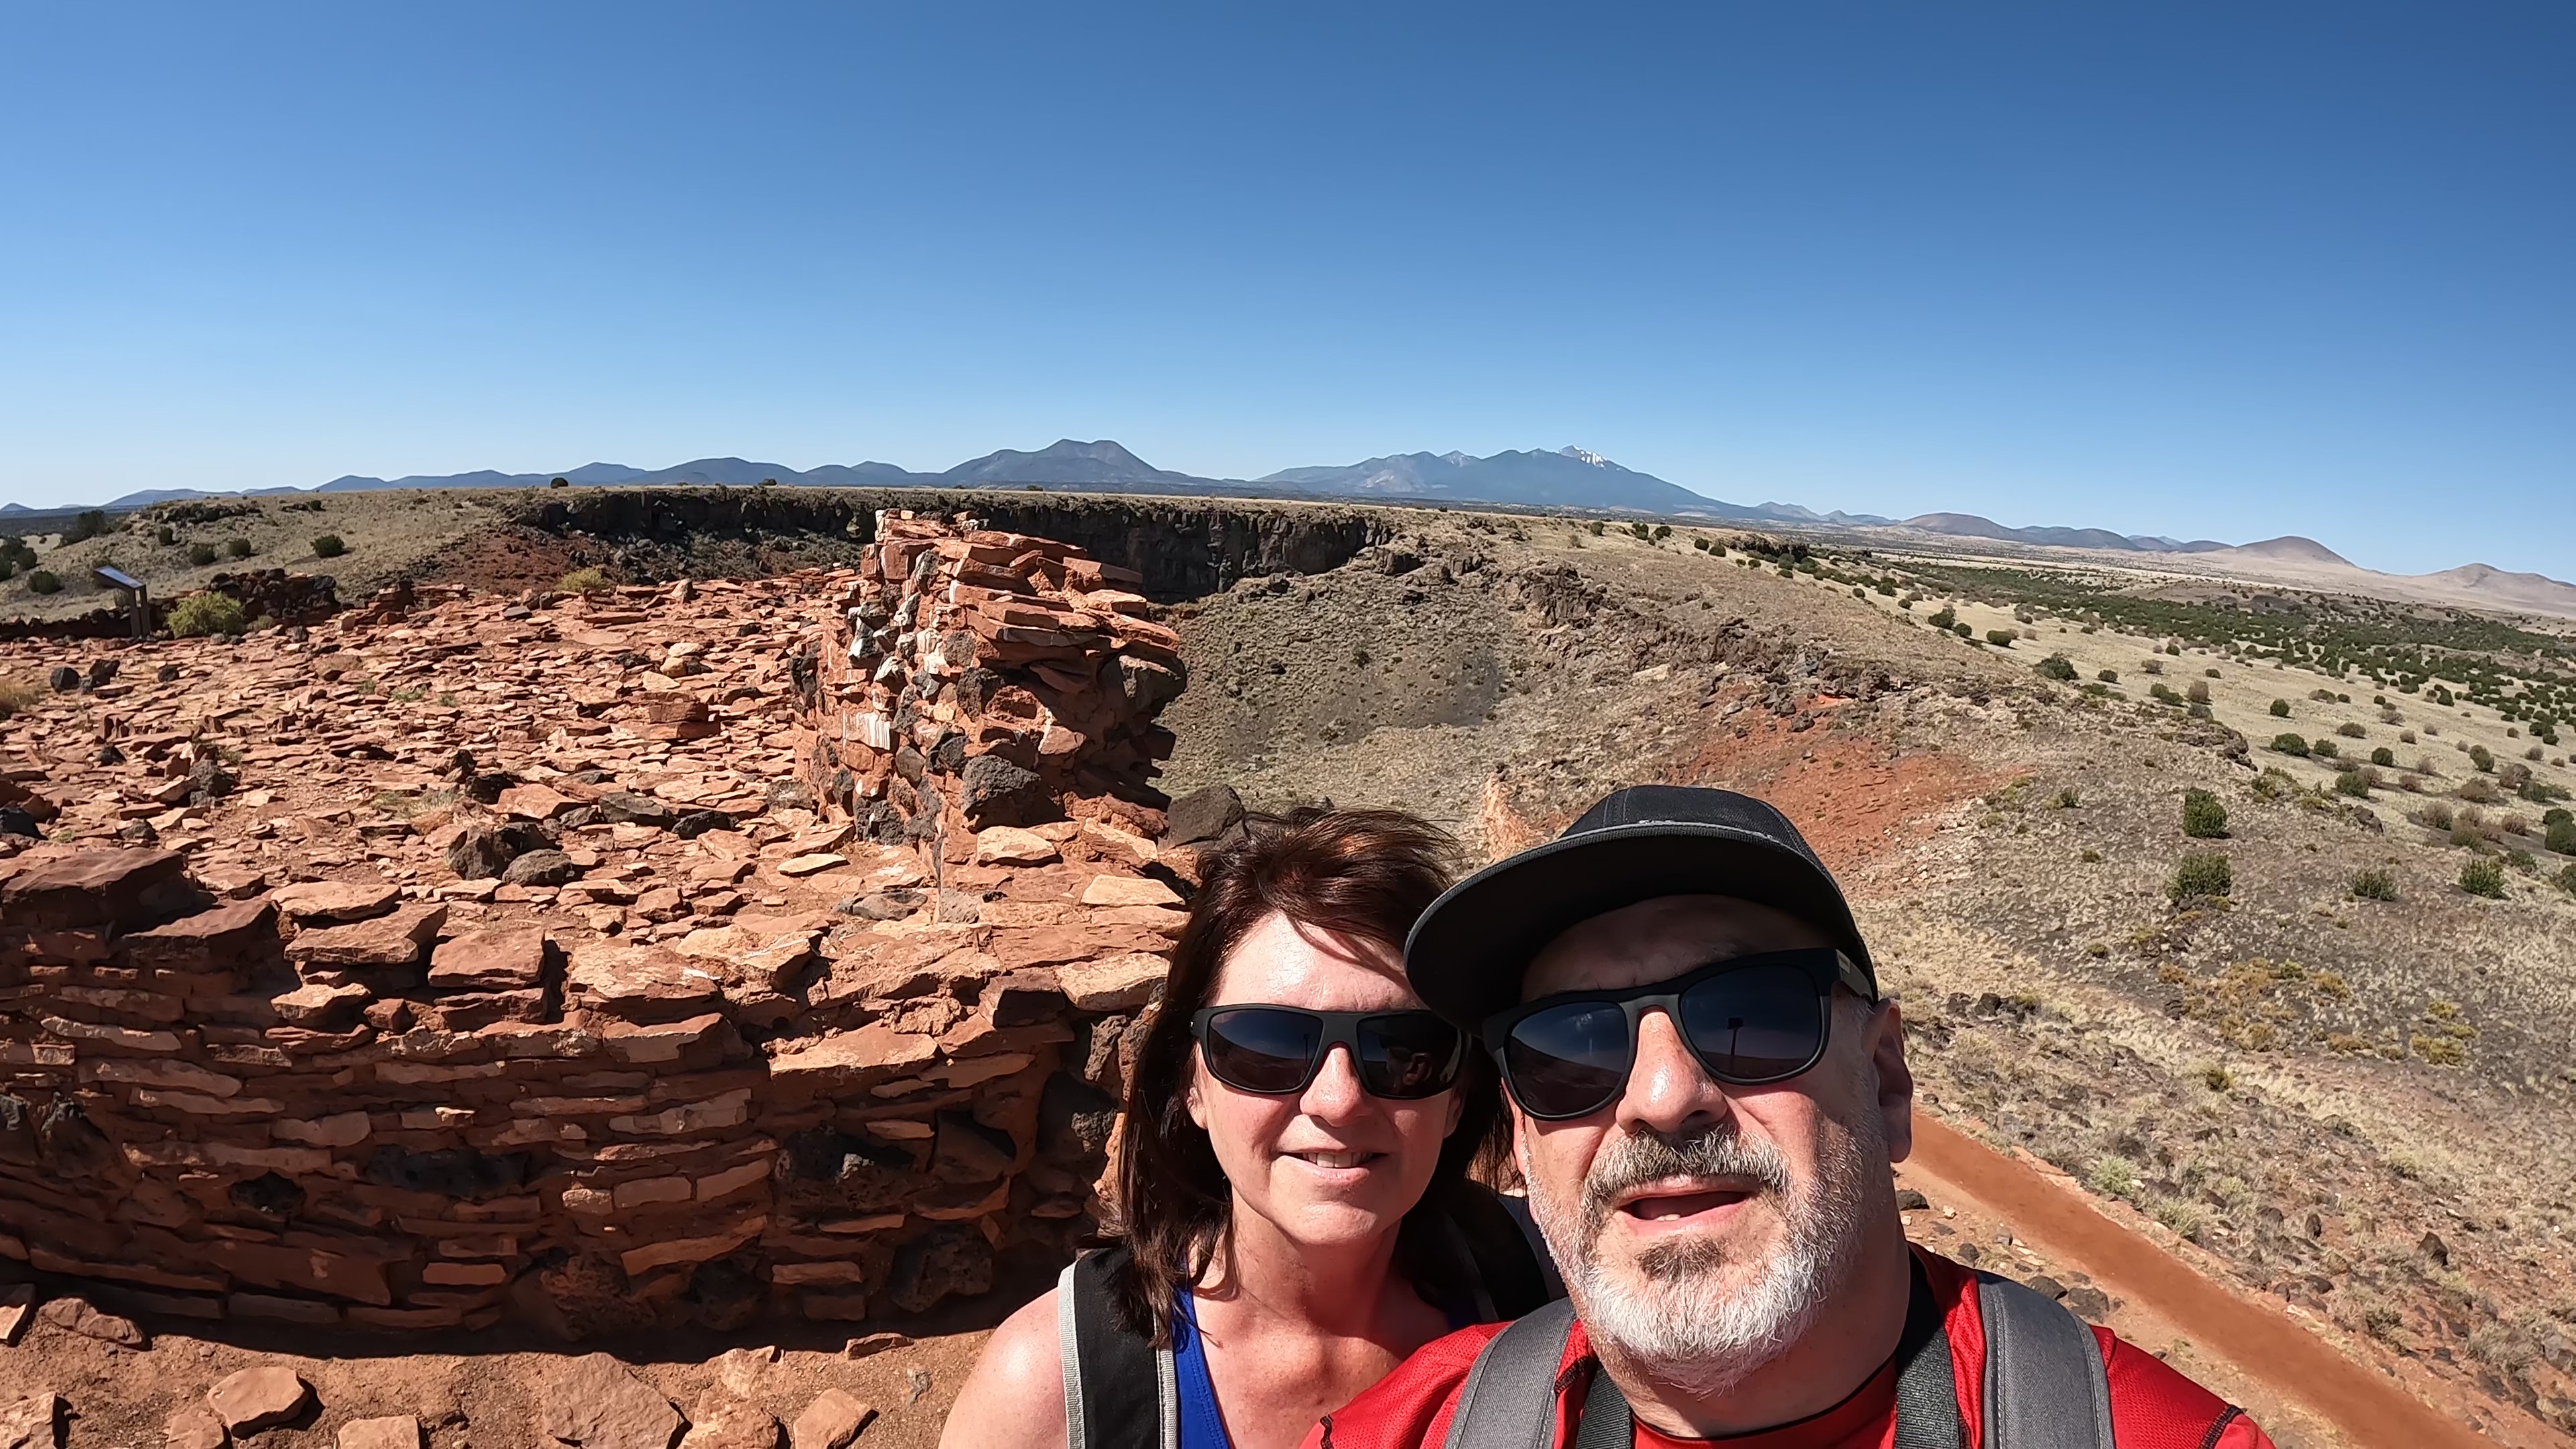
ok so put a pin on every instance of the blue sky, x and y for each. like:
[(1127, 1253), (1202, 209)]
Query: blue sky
[(2209, 270)]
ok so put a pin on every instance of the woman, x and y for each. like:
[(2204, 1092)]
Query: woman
[(1294, 1206)]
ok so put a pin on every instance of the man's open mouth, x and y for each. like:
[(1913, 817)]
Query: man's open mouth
[(1672, 1203)]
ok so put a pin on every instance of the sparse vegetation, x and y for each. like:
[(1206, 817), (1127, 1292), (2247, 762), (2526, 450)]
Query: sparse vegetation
[(237, 548), (2001, 638), (588, 580), (201, 554), (2483, 876), (208, 613), (2057, 667), (2290, 745), (2374, 884), (44, 581), (2203, 817), (329, 546), (2201, 877)]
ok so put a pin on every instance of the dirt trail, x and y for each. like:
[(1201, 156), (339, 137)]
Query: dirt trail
[(2265, 1343)]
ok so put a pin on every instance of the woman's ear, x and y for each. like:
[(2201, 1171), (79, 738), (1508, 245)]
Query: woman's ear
[(1457, 1109), (1190, 1096)]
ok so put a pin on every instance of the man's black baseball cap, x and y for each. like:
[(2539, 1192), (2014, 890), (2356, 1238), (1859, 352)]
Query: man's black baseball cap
[(1466, 955)]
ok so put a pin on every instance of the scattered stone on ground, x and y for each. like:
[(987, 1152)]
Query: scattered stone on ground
[(830, 1422), (258, 1398)]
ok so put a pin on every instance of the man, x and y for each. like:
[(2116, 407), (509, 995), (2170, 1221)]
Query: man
[(1709, 1095)]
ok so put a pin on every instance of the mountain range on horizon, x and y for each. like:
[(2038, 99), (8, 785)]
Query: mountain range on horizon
[(1567, 478)]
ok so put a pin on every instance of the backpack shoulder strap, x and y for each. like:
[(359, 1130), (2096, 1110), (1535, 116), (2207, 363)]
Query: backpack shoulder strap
[(1119, 1390), (1509, 1399), (2045, 1384), (1501, 1249), (1927, 1389)]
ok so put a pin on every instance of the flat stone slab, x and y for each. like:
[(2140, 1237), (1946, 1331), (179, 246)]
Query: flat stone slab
[(830, 1422), (332, 901), (501, 958), (595, 1402), (394, 939), (397, 1431), (34, 1422), (258, 1398)]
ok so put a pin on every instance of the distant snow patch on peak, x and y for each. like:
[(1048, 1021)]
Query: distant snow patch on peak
[(1580, 456)]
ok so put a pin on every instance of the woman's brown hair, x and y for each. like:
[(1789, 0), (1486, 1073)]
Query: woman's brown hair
[(1361, 874)]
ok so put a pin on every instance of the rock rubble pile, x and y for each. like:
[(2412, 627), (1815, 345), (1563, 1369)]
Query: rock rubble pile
[(468, 957), (979, 678)]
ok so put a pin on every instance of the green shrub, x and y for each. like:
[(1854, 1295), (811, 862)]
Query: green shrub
[(87, 526), (2567, 878), (43, 581), (2203, 817), (2354, 783), (2351, 731), (2561, 836), (2162, 693), (2290, 745), (2112, 1176), (2374, 885), (2001, 638), (2201, 877), (2326, 750), (1964, 632), (208, 613), (201, 554), (1701, 544), (165, 535), (237, 547), (1596, 527), (2198, 693), (582, 581), (1943, 620), (2056, 666), (2280, 709), (2384, 757), (2108, 676), (2483, 758), (559, 482), (329, 546), (2483, 876)]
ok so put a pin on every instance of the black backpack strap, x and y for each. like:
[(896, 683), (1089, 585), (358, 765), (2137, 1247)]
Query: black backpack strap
[(1500, 1251), (1509, 1399), (1119, 1390), (1927, 1392), (2045, 1383)]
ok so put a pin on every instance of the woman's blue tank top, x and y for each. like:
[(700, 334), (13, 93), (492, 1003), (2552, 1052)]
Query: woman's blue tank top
[(1202, 1422)]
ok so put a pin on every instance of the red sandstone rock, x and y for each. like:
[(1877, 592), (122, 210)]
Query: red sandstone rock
[(334, 902), (720, 1420), (830, 1422), (34, 1422), (498, 958), (595, 1402), (258, 1398), (77, 1315), (394, 939), (399, 1431), (194, 1426), (94, 886)]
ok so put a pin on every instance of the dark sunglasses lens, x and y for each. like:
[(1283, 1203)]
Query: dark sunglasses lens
[(1760, 1024), (1414, 1054), (1568, 1060), (1261, 1049)]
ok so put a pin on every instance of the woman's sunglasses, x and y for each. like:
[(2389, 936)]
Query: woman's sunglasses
[(1276, 1050), (1749, 1020)]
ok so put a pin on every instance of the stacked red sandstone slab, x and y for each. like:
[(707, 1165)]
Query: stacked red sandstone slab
[(674, 1086), (981, 678)]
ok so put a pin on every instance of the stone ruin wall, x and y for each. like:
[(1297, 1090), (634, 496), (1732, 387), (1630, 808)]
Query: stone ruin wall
[(321, 1106)]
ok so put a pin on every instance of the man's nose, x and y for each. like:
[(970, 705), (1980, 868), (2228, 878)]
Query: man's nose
[(1668, 1089), (1336, 1093)]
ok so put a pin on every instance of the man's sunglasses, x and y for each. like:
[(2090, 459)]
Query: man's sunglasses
[(1749, 1020), (1276, 1050)]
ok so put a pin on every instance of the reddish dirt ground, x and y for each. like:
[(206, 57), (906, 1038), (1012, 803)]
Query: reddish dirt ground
[(1856, 797)]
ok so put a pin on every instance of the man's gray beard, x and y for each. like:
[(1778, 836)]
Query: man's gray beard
[(1687, 1325)]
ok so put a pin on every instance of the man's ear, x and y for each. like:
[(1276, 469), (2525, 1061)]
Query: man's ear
[(1894, 1079)]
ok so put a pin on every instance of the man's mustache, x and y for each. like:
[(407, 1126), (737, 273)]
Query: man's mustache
[(1634, 1159)]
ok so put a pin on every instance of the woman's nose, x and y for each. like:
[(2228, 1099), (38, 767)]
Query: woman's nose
[(1336, 1092)]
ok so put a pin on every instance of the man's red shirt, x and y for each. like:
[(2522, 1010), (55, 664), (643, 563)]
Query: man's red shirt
[(2152, 1406)]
